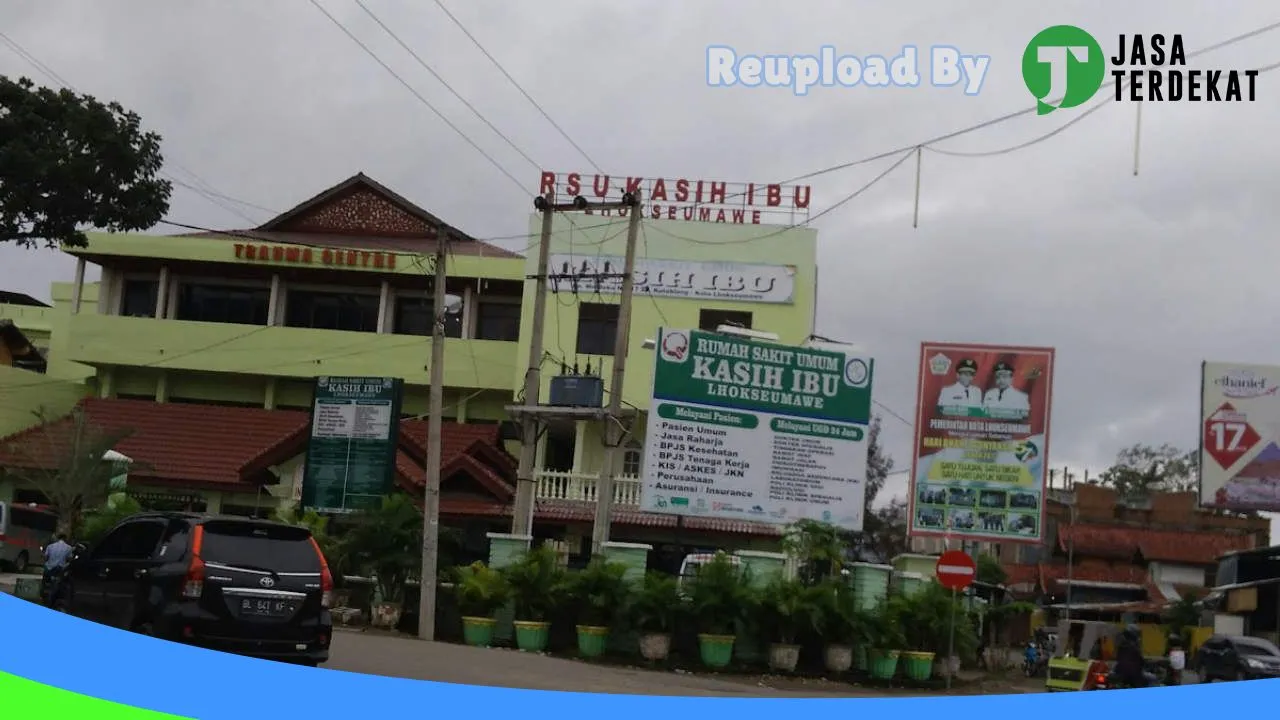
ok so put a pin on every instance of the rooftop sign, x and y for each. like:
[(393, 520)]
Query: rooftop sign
[(714, 201)]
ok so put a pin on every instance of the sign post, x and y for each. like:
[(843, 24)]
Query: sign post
[(753, 430), (351, 453), (955, 571)]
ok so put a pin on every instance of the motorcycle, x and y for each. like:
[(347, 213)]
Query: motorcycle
[(1035, 661)]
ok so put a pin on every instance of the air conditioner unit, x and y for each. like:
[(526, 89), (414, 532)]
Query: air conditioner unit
[(577, 391)]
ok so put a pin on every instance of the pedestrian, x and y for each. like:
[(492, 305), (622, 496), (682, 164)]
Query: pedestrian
[(57, 553)]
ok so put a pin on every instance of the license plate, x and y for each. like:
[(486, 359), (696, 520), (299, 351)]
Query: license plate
[(266, 608)]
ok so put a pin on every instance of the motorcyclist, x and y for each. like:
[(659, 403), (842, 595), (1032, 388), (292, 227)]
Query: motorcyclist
[(1130, 663), (1177, 659)]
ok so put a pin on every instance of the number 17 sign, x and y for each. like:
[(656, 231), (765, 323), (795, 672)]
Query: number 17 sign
[(1240, 436), (1228, 436)]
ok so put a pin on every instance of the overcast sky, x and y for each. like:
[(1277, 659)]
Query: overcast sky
[(1134, 280)]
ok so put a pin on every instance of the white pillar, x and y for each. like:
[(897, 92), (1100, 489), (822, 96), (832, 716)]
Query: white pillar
[(78, 291), (273, 301), (162, 293), (384, 305), (468, 313), (579, 445)]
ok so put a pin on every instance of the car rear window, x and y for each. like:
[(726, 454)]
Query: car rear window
[(270, 547)]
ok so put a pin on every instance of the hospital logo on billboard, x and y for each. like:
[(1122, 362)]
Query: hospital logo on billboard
[(675, 347), (856, 372)]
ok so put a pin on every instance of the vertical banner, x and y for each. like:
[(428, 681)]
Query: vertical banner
[(1239, 431), (981, 442), (351, 452), (755, 430)]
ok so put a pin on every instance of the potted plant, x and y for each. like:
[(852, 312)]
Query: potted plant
[(926, 618), (537, 583), (786, 607), (842, 625), (655, 608), (721, 599), (599, 593), (386, 543), (481, 591), (884, 640)]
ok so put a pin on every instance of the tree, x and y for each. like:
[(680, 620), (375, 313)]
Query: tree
[(879, 464), (68, 161), (1143, 469), (990, 571), (66, 460), (884, 530)]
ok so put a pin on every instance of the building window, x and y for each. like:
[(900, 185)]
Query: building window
[(413, 316), (138, 299), (496, 320), (597, 328), (557, 451), (223, 304), (632, 458), (332, 311), (709, 320)]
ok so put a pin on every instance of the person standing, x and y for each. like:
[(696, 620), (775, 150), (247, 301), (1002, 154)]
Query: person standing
[(962, 395), (1004, 397)]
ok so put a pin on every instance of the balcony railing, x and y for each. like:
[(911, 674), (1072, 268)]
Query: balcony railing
[(557, 485)]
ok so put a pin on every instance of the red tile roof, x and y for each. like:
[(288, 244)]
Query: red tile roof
[(1111, 541), (473, 450), (174, 443)]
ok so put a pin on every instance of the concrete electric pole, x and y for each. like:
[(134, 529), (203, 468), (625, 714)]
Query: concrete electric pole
[(614, 435), (522, 517), (431, 498)]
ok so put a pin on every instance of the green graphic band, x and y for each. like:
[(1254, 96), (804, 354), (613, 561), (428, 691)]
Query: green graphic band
[(28, 700)]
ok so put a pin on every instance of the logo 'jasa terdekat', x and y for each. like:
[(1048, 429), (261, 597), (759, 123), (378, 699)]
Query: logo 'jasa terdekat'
[(1064, 67)]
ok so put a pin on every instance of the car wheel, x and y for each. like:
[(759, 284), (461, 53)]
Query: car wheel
[(20, 564), (145, 628), (1241, 676)]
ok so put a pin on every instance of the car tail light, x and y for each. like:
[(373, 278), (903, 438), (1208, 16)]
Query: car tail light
[(326, 577), (2, 537), (1100, 680), (193, 588)]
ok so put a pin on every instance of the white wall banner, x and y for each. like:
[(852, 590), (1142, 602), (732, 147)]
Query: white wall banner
[(695, 280)]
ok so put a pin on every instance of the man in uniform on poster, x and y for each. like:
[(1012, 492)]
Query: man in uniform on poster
[(962, 395), (1005, 398)]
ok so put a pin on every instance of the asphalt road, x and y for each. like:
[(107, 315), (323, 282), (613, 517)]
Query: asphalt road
[(393, 656)]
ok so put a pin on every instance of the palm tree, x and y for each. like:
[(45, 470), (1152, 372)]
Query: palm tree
[(70, 461)]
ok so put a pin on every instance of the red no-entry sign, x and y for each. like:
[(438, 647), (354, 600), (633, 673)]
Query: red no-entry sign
[(956, 570)]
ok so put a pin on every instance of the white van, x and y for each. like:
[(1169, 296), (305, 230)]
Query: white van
[(24, 530)]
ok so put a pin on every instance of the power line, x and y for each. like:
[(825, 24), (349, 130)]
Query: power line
[(209, 193), (517, 86), (1010, 116), (338, 23), (443, 82)]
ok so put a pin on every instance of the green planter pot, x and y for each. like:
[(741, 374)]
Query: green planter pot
[(917, 665), (532, 636), (883, 663), (592, 640), (478, 631), (716, 650)]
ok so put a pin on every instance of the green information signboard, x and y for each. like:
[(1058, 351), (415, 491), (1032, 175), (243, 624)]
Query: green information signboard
[(351, 455), (755, 430)]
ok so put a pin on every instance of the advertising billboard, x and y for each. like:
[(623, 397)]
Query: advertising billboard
[(1240, 429), (351, 451), (981, 442), (752, 430)]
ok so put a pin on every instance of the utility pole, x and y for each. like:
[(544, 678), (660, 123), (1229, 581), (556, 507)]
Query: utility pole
[(522, 514), (614, 436), (435, 407)]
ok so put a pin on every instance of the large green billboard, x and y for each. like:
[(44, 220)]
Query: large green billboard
[(754, 430)]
